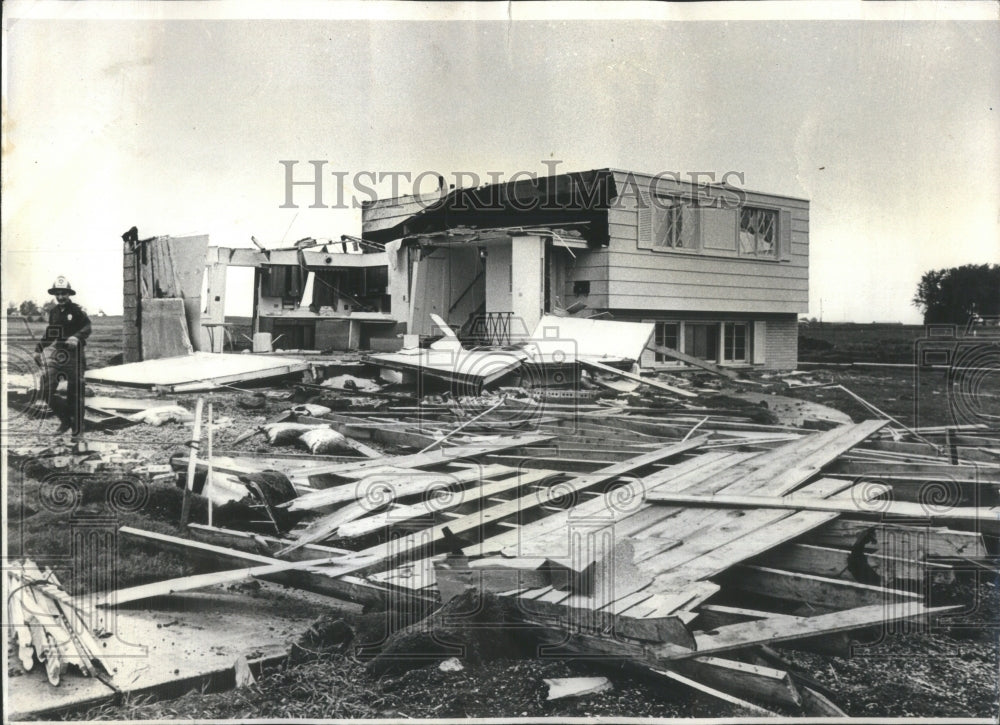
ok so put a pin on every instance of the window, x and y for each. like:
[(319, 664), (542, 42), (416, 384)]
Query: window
[(735, 342), (668, 223), (666, 335), (701, 340), (758, 232)]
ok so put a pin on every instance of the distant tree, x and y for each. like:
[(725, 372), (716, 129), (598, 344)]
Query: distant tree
[(954, 295), (11, 309), (29, 309)]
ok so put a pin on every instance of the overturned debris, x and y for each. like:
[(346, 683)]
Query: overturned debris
[(641, 552)]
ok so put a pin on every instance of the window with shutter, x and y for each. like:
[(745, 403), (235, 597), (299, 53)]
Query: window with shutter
[(758, 233)]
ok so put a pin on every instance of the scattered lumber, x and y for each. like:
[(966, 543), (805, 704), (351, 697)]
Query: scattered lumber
[(607, 369), (49, 625), (199, 581), (612, 530), (697, 362), (784, 628), (879, 508)]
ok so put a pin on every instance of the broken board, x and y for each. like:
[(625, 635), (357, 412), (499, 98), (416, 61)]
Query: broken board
[(198, 371)]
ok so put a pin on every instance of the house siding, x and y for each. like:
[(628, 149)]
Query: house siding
[(782, 343), (689, 280)]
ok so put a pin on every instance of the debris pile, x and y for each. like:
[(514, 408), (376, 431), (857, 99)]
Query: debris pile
[(49, 627), (685, 525), (687, 541)]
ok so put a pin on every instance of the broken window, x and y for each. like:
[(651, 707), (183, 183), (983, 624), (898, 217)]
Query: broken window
[(735, 342), (283, 281), (758, 232), (668, 223)]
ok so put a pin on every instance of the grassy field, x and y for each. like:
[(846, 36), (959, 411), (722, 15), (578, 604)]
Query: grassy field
[(105, 342), (851, 342)]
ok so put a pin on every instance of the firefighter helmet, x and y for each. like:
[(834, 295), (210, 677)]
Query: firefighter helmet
[(61, 285)]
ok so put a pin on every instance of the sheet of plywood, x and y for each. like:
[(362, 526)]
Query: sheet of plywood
[(175, 267), (574, 337), (200, 370), (164, 329), (473, 367)]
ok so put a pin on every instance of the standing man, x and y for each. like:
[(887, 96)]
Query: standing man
[(61, 354)]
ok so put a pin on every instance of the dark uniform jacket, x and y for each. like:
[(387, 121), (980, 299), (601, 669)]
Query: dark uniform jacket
[(66, 321)]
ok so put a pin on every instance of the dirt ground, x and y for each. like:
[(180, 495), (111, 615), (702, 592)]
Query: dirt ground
[(939, 673)]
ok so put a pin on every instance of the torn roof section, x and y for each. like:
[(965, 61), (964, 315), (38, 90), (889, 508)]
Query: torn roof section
[(576, 201)]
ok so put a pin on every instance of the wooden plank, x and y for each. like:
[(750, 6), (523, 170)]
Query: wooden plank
[(601, 367), (726, 539), (690, 360), (406, 514), (607, 507), (413, 544), (783, 629), (784, 469), (431, 458), (836, 563), (910, 542), (347, 588), (820, 593), (382, 488), (917, 471), (259, 543), (195, 444), (199, 581), (713, 692), (762, 683), (375, 493), (712, 554), (878, 507)]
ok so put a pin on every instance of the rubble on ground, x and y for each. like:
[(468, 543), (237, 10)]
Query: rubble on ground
[(686, 524)]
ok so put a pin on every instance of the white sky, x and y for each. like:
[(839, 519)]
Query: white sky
[(889, 126)]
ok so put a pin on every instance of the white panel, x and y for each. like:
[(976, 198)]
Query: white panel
[(759, 341), (527, 281), (597, 338), (648, 357), (718, 229), (498, 278)]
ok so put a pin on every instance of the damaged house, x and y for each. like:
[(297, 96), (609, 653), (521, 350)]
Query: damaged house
[(721, 272), (312, 296)]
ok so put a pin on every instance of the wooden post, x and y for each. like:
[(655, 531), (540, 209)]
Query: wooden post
[(192, 463), (208, 475), (949, 434)]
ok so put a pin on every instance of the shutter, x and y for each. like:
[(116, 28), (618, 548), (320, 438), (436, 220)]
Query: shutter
[(644, 222), (648, 357), (759, 341), (691, 228), (785, 236)]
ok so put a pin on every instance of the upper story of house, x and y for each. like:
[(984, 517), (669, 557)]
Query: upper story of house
[(654, 242)]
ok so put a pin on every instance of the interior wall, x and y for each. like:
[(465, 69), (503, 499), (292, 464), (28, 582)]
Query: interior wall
[(498, 278)]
